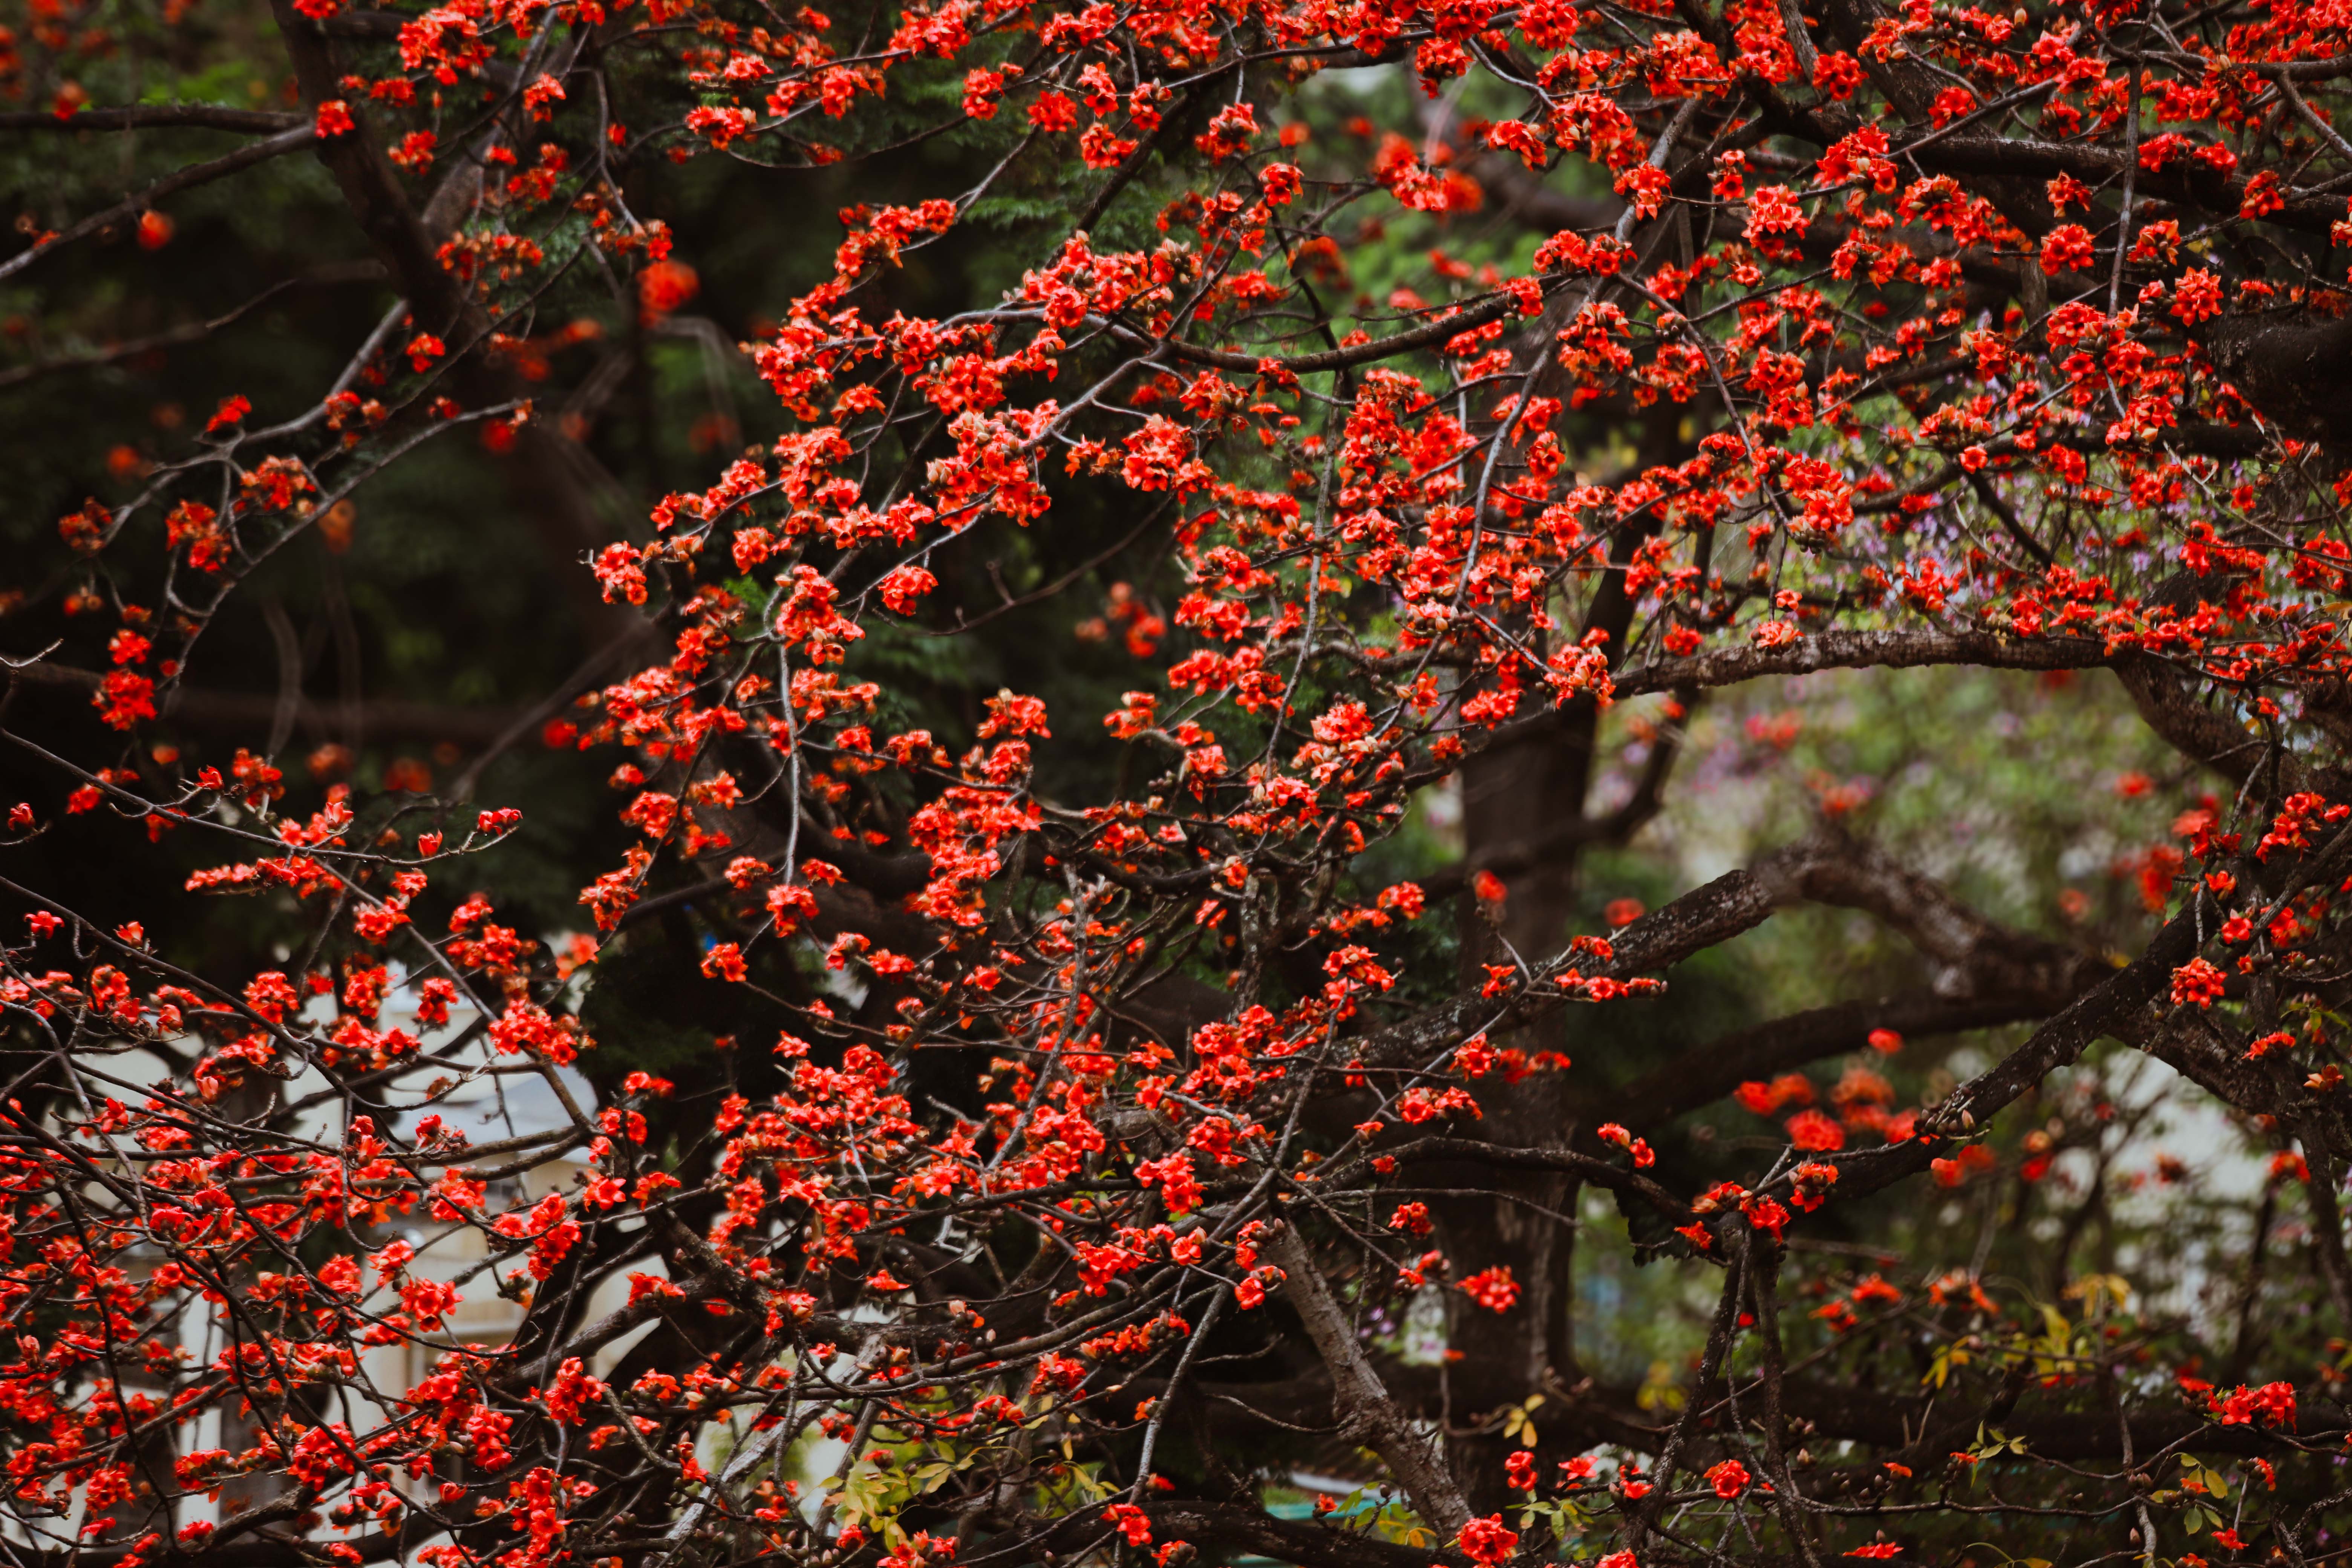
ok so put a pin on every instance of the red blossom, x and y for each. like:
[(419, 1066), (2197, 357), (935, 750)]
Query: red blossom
[(1493, 1288)]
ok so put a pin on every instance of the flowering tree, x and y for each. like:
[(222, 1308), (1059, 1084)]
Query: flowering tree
[(1027, 1118)]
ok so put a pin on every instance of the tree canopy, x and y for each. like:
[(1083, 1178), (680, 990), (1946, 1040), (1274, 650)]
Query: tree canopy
[(1368, 782)]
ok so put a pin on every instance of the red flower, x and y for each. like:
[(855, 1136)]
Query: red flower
[(1493, 1288), (2066, 249), (2195, 983), (2273, 1404), (664, 287), (1814, 1132), (1131, 1523), (1487, 1541)]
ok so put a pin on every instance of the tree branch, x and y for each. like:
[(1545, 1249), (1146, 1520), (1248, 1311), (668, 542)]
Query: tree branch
[(1734, 902), (2056, 1044), (1701, 1076), (1493, 308), (1977, 956), (196, 174), (154, 116), (1861, 650), (1358, 1395), (193, 331)]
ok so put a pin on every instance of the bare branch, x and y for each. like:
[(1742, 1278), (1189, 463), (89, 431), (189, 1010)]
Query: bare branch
[(219, 168), (155, 116)]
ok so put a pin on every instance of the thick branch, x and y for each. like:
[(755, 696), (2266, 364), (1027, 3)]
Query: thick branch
[(549, 482), (2171, 709), (1705, 917), (2187, 182), (1905, 649), (2289, 364), (371, 188), (1975, 955), (1365, 1410), (2059, 1043), (1699, 1078)]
